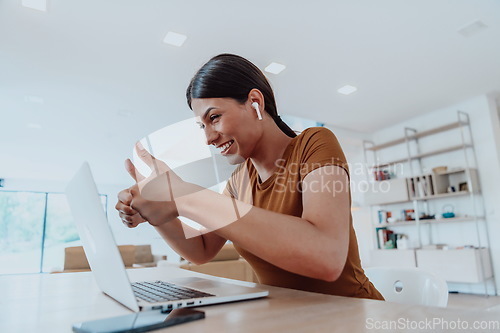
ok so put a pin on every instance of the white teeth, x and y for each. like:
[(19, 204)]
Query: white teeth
[(226, 146)]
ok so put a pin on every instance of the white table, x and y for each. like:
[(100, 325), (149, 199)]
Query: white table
[(53, 302)]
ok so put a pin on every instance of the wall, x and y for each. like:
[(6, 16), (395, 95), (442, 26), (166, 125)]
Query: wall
[(485, 127)]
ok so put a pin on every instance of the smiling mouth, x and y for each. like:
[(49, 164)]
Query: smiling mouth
[(225, 147)]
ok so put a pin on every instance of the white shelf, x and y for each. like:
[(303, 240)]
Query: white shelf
[(428, 221), (407, 199), (451, 171), (442, 195), (423, 155), (418, 135)]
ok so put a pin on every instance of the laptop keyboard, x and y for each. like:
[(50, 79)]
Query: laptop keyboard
[(159, 291)]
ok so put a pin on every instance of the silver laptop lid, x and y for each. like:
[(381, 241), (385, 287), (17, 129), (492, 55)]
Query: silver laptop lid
[(97, 239)]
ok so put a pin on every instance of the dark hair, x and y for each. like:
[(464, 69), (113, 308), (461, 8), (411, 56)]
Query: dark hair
[(229, 75)]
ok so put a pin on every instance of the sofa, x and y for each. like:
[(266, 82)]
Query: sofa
[(132, 255), (227, 264)]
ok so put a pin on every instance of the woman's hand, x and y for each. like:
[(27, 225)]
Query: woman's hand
[(129, 216), (151, 198), (154, 211)]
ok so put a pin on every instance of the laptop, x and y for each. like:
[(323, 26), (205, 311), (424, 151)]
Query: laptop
[(109, 271)]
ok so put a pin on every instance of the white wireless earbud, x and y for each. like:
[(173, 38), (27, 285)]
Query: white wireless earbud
[(256, 107)]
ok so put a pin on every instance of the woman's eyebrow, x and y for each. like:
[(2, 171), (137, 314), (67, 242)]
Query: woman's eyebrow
[(208, 110)]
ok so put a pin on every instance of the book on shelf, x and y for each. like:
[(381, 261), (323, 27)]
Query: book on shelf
[(384, 216), (388, 239), (421, 187), (412, 188), (430, 186), (381, 237), (380, 175)]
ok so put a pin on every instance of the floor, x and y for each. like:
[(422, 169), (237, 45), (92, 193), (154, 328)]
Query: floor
[(476, 302)]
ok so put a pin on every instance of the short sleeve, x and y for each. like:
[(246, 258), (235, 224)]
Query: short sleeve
[(319, 148), (238, 186), (228, 190)]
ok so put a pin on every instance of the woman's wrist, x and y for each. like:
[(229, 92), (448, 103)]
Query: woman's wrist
[(158, 213)]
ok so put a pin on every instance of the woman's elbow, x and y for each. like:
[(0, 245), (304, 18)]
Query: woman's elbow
[(198, 260), (331, 273), (332, 269)]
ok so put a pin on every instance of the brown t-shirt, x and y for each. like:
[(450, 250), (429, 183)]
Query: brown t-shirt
[(312, 149)]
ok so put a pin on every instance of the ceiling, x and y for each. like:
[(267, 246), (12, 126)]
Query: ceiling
[(87, 79)]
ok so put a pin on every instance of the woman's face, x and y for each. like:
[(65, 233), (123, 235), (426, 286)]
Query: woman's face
[(228, 125)]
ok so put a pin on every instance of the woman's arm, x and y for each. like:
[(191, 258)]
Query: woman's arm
[(314, 245), (199, 249)]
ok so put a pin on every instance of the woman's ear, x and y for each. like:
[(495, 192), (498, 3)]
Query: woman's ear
[(255, 96)]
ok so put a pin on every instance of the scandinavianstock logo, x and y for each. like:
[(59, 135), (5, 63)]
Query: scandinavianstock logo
[(180, 166)]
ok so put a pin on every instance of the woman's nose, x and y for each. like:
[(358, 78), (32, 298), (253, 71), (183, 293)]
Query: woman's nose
[(211, 136)]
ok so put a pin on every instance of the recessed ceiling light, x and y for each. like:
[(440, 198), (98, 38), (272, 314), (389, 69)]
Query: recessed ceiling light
[(275, 68), (174, 39), (33, 99), (472, 28), (33, 125), (35, 4), (347, 89), (124, 113)]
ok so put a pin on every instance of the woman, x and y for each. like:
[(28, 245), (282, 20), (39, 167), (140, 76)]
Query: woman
[(286, 208)]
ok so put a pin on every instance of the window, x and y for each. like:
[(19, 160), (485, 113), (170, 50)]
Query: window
[(299, 124), (21, 229), (34, 230)]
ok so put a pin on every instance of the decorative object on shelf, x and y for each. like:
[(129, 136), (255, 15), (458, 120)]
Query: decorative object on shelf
[(408, 215), (402, 242), (384, 216), (391, 220), (389, 245), (451, 189), (448, 212), (469, 247), (385, 174), (440, 169), (463, 187)]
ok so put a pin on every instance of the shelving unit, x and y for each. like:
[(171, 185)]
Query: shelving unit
[(428, 221), (420, 156), (421, 187)]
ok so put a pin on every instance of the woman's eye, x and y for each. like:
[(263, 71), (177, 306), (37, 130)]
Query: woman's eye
[(212, 118)]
